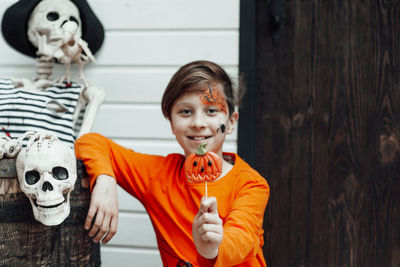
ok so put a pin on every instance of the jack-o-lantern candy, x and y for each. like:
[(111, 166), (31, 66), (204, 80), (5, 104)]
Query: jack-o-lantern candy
[(203, 166)]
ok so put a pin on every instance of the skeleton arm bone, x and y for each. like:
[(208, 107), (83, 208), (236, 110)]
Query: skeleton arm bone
[(86, 49), (95, 96)]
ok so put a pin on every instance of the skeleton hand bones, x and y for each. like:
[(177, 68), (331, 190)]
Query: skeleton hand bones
[(11, 147)]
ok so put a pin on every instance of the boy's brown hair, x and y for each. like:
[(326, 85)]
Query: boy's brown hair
[(193, 75)]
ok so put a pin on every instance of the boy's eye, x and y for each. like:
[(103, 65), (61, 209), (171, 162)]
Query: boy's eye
[(185, 111), (212, 110)]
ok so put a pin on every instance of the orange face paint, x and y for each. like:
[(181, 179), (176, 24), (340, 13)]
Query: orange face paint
[(213, 95)]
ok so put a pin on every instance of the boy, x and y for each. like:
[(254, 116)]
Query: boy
[(191, 230)]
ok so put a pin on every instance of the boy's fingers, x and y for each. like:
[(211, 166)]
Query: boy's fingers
[(97, 224), (112, 230), (203, 205), (89, 217), (208, 205), (211, 237), (212, 207), (210, 218), (212, 228), (103, 229)]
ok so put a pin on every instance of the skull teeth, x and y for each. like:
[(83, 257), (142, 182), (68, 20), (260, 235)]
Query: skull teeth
[(47, 205), (53, 209)]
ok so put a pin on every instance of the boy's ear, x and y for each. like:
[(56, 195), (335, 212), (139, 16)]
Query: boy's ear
[(232, 122)]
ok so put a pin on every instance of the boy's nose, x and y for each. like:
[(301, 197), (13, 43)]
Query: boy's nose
[(197, 122)]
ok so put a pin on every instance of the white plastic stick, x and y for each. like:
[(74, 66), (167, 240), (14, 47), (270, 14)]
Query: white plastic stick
[(206, 189)]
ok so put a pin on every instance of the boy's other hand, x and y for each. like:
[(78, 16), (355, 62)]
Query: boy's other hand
[(103, 210), (207, 229)]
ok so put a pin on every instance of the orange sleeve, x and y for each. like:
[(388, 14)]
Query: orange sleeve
[(132, 170), (243, 232), (93, 150)]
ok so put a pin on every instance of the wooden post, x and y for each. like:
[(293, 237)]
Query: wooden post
[(328, 128)]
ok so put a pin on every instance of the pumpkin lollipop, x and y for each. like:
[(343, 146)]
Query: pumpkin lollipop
[(203, 166)]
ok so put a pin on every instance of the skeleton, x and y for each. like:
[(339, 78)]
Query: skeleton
[(46, 170), (55, 29), (46, 167)]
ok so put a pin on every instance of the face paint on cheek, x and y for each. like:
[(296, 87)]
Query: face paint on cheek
[(221, 128), (214, 96)]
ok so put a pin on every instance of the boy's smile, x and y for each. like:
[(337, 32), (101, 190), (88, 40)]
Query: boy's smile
[(198, 137), (195, 121)]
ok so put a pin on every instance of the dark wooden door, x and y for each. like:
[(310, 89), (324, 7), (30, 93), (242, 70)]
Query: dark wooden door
[(321, 122)]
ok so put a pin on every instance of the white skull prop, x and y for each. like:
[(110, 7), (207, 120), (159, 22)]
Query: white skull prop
[(48, 21), (47, 173)]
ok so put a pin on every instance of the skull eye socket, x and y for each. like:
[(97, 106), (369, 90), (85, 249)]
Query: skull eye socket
[(53, 16), (32, 177), (72, 18), (60, 173)]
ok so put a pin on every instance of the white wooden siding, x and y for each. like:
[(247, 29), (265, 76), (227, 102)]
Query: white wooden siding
[(146, 41)]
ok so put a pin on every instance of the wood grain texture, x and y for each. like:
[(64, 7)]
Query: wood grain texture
[(328, 120)]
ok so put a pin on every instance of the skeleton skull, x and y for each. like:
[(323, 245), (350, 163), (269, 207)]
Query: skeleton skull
[(46, 24), (47, 173)]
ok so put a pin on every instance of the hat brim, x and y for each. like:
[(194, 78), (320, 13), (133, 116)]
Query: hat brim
[(15, 26)]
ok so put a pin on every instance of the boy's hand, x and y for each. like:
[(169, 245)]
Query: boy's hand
[(207, 228), (103, 209)]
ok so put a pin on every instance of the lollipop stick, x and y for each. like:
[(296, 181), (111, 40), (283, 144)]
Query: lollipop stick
[(206, 189)]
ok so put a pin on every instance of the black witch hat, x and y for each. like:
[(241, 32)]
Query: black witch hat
[(15, 26)]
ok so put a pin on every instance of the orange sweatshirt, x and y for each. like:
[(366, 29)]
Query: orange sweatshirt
[(172, 202)]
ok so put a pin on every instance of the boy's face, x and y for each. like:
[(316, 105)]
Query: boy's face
[(202, 117)]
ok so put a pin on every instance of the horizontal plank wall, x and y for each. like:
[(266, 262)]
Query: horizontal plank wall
[(146, 41)]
